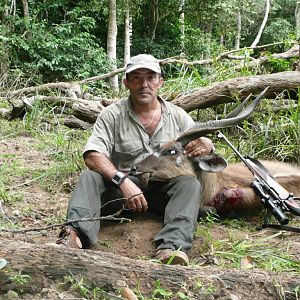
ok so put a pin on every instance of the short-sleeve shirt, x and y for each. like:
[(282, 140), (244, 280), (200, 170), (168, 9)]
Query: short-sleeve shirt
[(120, 135)]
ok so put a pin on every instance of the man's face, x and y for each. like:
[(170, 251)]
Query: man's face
[(143, 85)]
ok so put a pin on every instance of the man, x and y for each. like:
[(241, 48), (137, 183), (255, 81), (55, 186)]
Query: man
[(124, 134)]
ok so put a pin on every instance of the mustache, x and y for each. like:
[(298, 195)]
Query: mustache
[(144, 91)]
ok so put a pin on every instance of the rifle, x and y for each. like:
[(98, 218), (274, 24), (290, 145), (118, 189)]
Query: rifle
[(274, 196)]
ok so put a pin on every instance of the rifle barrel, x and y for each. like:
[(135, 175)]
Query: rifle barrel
[(221, 135)]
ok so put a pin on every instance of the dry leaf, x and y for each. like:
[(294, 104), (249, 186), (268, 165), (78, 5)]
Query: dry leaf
[(247, 262), (128, 294)]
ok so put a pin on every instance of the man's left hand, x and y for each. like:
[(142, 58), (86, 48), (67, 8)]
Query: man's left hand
[(199, 147)]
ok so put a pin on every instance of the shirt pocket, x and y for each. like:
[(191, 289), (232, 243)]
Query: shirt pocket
[(127, 153)]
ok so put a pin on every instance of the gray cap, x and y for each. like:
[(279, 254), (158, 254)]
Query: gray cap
[(146, 61)]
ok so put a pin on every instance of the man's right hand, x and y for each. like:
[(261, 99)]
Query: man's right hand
[(135, 198), (98, 162)]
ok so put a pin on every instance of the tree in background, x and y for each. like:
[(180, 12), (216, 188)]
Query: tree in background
[(112, 44), (127, 32), (63, 40), (56, 42), (297, 17)]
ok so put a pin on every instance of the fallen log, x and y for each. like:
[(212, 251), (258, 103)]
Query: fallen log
[(83, 109), (240, 87), (73, 122), (45, 263), (72, 89), (220, 92)]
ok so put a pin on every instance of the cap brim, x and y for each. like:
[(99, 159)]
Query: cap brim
[(141, 66)]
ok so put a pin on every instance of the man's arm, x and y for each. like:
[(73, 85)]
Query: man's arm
[(99, 162), (199, 147)]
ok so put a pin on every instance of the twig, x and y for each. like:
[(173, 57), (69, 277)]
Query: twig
[(3, 213), (104, 218)]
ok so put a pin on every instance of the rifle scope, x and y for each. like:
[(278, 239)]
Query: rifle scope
[(276, 211)]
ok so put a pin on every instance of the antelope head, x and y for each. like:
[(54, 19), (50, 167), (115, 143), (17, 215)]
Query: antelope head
[(171, 161)]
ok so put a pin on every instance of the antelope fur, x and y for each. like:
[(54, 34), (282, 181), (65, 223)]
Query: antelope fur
[(171, 162)]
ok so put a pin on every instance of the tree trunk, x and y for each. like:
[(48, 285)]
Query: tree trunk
[(44, 263), (238, 29), (127, 33), (182, 26), (112, 44), (25, 8), (155, 17), (297, 17), (13, 7), (83, 109), (263, 24), (222, 40), (4, 14), (4, 52)]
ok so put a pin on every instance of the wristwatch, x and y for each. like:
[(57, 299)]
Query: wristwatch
[(118, 178)]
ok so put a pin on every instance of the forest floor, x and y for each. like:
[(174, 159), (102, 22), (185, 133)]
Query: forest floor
[(28, 202)]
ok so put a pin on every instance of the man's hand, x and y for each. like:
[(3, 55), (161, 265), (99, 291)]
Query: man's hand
[(135, 198), (199, 147)]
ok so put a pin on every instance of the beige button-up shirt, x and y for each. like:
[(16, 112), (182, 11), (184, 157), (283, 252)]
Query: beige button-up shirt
[(119, 134)]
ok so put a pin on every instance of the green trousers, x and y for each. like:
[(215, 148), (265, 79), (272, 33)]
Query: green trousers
[(178, 201)]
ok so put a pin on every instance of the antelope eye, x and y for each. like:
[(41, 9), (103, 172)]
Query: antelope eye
[(172, 152)]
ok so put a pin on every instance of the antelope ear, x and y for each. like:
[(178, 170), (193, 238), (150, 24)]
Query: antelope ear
[(212, 163)]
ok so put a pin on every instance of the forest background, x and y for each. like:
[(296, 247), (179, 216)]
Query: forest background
[(50, 44), (47, 41)]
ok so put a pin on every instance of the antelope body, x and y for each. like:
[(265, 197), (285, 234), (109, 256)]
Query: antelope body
[(226, 188)]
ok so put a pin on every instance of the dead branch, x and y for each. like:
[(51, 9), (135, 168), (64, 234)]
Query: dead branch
[(85, 110), (73, 122), (112, 217), (43, 228), (70, 88), (263, 60), (227, 55)]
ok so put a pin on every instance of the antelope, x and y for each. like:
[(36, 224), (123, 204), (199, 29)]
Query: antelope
[(226, 188)]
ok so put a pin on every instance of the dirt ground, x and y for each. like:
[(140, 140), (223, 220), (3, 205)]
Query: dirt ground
[(134, 239), (39, 208)]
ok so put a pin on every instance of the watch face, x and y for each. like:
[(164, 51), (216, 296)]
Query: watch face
[(117, 179)]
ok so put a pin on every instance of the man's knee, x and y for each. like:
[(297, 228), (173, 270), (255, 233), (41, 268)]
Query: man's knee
[(190, 183), (90, 175), (91, 179)]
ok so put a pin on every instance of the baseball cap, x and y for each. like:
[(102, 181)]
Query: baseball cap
[(146, 61)]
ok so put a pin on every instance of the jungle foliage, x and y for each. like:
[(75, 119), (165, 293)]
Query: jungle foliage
[(63, 40)]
